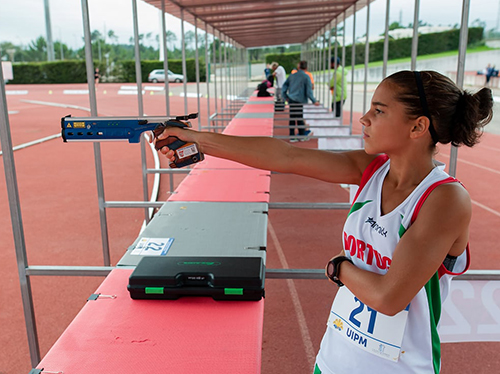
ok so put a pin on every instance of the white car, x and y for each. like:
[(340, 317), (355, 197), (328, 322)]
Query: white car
[(158, 75)]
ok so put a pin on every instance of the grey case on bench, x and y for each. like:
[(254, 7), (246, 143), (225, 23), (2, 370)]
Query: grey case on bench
[(207, 229)]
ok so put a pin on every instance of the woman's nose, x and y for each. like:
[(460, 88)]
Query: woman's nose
[(364, 121)]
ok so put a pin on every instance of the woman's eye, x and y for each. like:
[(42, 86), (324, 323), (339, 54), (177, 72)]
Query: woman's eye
[(378, 111)]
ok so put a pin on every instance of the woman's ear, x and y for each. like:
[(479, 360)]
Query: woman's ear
[(420, 127)]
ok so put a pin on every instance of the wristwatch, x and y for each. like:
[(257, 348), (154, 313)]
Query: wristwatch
[(333, 268)]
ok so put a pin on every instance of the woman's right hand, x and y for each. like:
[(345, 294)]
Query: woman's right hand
[(170, 134)]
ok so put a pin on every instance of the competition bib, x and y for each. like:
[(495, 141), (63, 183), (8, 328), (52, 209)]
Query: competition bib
[(366, 328)]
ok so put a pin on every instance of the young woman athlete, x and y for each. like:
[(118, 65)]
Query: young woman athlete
[(407, 232)]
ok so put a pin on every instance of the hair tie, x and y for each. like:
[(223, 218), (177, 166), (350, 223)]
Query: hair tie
[(423, 103)]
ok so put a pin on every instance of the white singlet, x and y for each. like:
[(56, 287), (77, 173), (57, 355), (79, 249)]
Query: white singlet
[(360, 340)]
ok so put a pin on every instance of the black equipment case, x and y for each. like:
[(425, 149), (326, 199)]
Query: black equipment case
[(222, 278)]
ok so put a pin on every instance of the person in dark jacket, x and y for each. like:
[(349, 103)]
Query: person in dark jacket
[(297, 89)]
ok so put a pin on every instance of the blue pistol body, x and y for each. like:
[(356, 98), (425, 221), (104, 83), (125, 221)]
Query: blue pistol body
[(99, 129)]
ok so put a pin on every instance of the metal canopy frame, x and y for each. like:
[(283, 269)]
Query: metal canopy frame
[(262, 22)]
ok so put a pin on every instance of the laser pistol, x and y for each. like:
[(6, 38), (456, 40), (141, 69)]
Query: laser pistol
[(99, 129)]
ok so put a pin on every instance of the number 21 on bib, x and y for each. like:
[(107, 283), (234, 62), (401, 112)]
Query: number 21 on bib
[(366, 328)]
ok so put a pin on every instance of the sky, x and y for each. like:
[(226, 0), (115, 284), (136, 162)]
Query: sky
[(22, 21)]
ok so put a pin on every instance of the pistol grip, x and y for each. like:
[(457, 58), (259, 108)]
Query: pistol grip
[(185, 153), (166, 142)]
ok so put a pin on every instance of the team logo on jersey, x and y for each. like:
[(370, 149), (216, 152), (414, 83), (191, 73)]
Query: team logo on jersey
[(375, 226)]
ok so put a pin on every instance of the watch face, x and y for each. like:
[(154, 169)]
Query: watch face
[(330, 270)]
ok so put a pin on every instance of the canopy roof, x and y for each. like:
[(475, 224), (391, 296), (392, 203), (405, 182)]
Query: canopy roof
[(259, 23)]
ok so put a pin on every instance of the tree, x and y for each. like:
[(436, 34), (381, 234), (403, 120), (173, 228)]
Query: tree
[(37, 50), (171, 38), (189, 39), (478, 23), (112, 36), (9, 51), (396, 25)]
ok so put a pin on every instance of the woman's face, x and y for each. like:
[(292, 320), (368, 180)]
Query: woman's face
[(386, 124)]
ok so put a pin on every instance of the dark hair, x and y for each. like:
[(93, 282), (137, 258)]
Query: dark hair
[(303, 65), (335, 60), (458, 116)]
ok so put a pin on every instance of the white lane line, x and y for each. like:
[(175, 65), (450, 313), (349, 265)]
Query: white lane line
[(154, 88), (490, 148), (487, 169), (56, 104), (75, 92), (129, 92), (34, 142), (492, 211), (16, 92), (190, 94), (306, 337), (474, 164), (50, 137)]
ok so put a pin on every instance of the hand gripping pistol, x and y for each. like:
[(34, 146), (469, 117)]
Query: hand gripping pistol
[(99, 129)]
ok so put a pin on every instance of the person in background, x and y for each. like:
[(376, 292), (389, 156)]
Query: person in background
[(297, 90), (262, 89), (406, 235), (489, 71), (97, 76), (305, 71), (279, 74), (268, 74), (267, 71), (338, 86)]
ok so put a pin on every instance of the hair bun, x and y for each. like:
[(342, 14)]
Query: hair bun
[(473, 112)]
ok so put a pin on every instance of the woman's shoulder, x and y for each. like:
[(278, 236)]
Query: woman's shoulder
[(448, 200)]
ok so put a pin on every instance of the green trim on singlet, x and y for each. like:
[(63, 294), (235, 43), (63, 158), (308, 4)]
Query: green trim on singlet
[(316, 369), (358, 206), (402, 229), (433, 291)]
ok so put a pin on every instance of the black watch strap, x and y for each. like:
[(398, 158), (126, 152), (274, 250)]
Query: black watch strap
[(335, 266)]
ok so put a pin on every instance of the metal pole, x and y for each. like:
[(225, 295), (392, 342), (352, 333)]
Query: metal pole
[(335, 56), (214, 58), (197, 63), (138, 71), (367, 55), (323, 66), (328, 96), (221, 75), (207, 74), (316, 55), (462, 49), (353, 60), (48, 28), (233, 67), (226, 68), (386, 39), (184, 70), (97, 145), (165, 57), (414, 42), (17, 226), (343, 78), (138, 78)]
